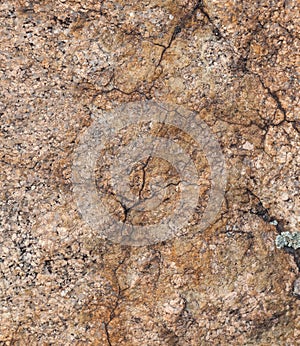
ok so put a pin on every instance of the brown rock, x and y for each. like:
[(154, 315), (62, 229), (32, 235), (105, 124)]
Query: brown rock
[(63, 64)]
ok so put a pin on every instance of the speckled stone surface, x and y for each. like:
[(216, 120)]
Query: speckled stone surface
[(236, 64)]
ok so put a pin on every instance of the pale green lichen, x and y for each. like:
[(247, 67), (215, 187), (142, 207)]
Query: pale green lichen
[(288, 239)]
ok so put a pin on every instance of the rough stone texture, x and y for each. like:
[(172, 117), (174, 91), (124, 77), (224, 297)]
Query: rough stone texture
[(236, 63)]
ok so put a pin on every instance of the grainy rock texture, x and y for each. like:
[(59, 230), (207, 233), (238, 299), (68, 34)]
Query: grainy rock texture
[(236, 64)]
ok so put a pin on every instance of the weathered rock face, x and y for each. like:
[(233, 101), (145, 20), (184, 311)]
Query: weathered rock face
[(63, 64)]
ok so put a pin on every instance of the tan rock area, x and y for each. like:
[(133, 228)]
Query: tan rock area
[(68, 67)]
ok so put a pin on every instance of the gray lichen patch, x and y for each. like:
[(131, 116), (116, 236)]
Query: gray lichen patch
[(288, 239)]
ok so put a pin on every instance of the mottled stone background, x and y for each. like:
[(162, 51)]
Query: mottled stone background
[(236, 63)]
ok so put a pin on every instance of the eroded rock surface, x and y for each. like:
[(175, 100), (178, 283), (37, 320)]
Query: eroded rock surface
[(62, 65)]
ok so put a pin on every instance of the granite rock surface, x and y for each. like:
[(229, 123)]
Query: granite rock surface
[(63, 64)]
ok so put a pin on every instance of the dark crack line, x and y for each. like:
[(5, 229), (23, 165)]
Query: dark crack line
[(215, 30), (264, 214), (178, 28), (274, 96), (120, 291), (176, 31), (136, 91), (107, 334), (144, 176)]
